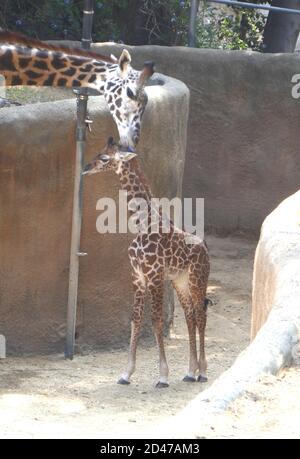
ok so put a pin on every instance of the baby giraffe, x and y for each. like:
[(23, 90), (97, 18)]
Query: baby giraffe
[(156, 256)]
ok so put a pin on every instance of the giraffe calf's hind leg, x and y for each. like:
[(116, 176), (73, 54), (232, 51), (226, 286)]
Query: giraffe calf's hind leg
[(181, 287)]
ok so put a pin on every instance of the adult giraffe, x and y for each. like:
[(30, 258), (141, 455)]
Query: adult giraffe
[(26, 61)]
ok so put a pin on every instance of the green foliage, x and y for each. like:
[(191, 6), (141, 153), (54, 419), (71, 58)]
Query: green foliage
[(161, 22), (230, 28)]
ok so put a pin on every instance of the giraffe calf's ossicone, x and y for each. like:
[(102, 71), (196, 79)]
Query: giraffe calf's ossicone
[(155, 257)]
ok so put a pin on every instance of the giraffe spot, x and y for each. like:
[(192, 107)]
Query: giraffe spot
[(40, 65), (151, 248), (76, 83), (62, 82), (16, 80), (110, 85), (24, 62), (32, 75), (81, 77), (99, 70), (70, 72), (49, 81), (42, 54), (92, 79), (58, 63), (6, 61), (87, 68), (31, 83), (118, 115), (119, 102), (150, 259), (77, 61)]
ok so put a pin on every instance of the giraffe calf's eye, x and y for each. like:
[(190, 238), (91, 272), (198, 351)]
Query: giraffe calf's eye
[(130, 94), (104, 158)]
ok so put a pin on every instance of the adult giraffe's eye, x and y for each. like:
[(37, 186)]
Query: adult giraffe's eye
[(130, 94)]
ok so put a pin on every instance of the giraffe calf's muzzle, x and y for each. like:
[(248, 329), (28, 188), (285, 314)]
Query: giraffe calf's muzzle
[(89, 169)]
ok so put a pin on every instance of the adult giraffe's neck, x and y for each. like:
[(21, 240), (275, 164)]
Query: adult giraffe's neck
[(22, 65), (133, 181)]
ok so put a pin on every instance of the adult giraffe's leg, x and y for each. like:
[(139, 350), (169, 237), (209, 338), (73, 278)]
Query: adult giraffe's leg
[(197, 285), (182, 289), (156, 293), (136, 322)]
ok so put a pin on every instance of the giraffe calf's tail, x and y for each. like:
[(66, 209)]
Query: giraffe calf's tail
[(207, 302)]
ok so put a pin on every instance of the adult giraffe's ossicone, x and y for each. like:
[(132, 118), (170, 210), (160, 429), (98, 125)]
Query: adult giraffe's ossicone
[(26, 61)]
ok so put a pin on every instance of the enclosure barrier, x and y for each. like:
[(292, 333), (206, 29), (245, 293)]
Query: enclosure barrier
[(37, 164)]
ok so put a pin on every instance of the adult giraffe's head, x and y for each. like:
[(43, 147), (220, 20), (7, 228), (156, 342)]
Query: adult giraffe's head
[(126, 97), (26, 61)]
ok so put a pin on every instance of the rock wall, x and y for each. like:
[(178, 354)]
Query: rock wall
[(276, 278), (37, 152)]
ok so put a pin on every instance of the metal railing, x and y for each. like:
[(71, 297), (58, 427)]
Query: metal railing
[(275, 9)]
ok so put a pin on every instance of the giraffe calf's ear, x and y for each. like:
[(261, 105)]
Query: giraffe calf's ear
[(124, 62), (127, 156)]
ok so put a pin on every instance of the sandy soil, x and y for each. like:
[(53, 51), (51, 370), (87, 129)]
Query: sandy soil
[(269, 409), (50, 397)]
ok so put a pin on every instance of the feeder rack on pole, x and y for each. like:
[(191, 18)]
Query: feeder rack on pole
[(75, 254)]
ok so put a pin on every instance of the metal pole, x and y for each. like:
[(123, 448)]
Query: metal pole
[(275, 9), (82, 99), (193, 23)]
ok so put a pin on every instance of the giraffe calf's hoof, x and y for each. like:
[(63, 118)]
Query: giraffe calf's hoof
[(202, 378), (161, 385), (188, 378), (123, 382)]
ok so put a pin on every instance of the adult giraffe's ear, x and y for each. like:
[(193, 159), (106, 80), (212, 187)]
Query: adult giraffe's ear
[(124, 62), (146, 73)]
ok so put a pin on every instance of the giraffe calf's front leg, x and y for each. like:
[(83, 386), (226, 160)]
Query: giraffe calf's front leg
[(136, 323), (156, 289)]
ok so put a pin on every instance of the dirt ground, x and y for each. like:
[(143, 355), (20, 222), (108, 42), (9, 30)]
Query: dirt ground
[(270, 409), (49, 397)]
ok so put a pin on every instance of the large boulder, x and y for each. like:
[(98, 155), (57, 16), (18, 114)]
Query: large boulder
[(276, 278)]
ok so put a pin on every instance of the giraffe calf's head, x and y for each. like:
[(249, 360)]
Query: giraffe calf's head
[(110, 158)]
